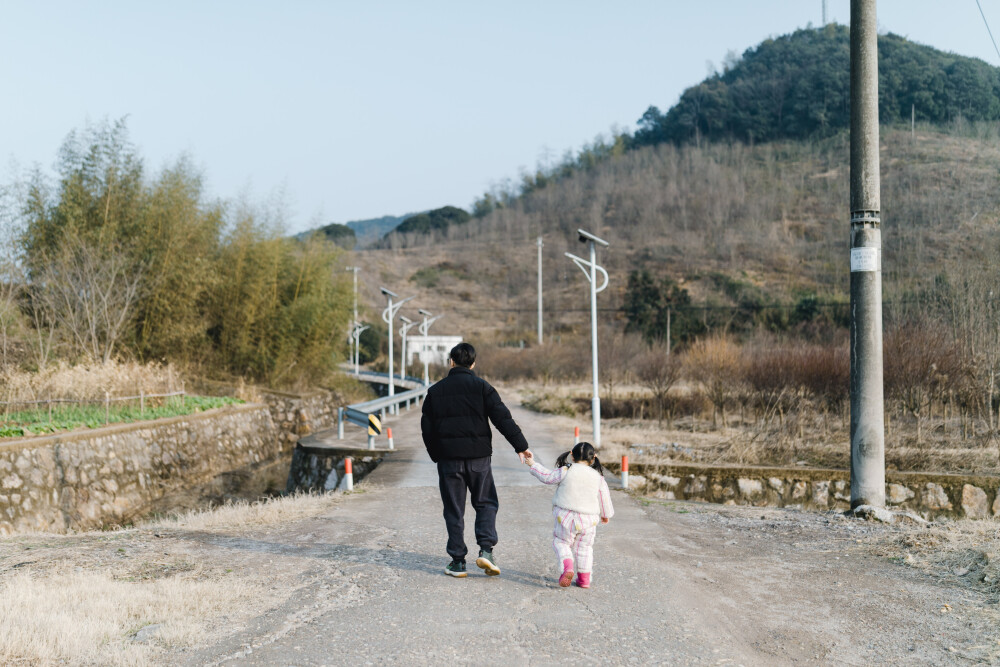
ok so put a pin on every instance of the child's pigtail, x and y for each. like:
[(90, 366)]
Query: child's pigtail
[(596, 465), (563, 459)]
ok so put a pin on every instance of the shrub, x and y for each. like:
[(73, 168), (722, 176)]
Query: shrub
[(714, 362)]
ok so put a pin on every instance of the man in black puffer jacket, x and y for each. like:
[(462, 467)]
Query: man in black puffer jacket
[(456, 428)]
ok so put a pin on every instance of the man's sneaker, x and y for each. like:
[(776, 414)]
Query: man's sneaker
[(456, 568), (488, 562)]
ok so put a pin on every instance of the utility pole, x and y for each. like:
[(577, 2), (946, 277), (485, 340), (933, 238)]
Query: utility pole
[(540, 339), (867, 405), (668, 330), (824, 12)]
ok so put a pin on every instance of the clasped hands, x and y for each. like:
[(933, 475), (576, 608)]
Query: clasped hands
[(527, 458)]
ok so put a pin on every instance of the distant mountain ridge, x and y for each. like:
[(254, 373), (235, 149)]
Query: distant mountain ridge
[(373, 229), (365, 232)]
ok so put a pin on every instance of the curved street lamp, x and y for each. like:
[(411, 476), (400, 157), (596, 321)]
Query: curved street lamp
[(591, 269), (356, 336), (424, 327), (407, 325), (388, 315)]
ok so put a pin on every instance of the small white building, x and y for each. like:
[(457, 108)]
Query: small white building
[(432, 349)]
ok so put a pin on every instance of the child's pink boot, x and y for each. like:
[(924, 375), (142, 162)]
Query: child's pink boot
[(583, 580), (567, 576)]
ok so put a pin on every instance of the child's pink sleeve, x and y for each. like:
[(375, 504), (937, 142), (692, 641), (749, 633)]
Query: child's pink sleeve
[(604, 500), (546, 476)]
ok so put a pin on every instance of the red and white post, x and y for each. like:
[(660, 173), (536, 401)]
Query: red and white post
[(576, 435), (624, 471), (389, 433), (348, 475)]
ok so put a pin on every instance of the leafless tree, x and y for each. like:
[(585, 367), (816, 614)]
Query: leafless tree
[(920, 360), (88, 294), (715, 363), (658, 371)]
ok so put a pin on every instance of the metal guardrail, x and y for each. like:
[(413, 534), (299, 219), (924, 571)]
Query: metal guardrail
[(360, 413), (408, 381)]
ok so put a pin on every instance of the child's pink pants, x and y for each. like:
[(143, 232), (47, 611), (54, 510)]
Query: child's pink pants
[(573, 537)]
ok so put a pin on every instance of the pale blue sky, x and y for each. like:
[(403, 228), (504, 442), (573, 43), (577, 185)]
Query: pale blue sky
[(360, 109)]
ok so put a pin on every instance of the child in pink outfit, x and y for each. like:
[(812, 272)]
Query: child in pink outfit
[(580, 503)]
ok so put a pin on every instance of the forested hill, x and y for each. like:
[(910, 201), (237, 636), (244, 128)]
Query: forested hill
[(798, 86)]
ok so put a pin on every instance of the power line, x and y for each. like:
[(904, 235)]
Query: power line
[(988, 28)]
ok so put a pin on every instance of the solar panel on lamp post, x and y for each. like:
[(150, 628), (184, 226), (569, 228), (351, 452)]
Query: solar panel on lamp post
[(591, 269), (424, 328), (388, 315)]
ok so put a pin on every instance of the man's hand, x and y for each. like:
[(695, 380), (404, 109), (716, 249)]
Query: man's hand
[(527, 458)]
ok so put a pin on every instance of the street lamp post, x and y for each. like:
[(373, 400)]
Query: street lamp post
[(388, 315), (407, 325), (540, 339), (423, 329), (591, 269), (356, 336), (354, 322)]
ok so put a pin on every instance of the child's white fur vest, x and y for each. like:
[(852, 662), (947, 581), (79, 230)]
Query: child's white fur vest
[(579, 490)]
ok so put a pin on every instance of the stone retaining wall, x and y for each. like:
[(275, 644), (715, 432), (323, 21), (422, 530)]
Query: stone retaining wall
[(294, 414), (87, 479), (927, 494), (298, 415)]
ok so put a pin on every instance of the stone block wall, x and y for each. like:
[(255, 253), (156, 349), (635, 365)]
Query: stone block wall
[(298, 415), (294, 414), (929, 495), (87, 479)]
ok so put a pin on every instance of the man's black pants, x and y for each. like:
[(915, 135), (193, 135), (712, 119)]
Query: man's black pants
[(475, 475)]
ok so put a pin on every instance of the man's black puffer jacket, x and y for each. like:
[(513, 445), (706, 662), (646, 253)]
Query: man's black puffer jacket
[(456, 416)]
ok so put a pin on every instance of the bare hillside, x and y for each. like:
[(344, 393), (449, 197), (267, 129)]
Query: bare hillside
[(730, 223)]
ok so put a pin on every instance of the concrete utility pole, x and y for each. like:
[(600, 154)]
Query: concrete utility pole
[(668, 330), (867, 406), (591, 269), (540, 340), (824, 12)]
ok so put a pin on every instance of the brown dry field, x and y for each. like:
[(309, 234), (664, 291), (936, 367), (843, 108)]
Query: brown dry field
[(811, 439)]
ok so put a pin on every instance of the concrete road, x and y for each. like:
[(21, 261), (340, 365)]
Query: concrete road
[(673, 583)]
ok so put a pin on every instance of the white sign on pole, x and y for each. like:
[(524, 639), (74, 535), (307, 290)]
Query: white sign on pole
[(864, 259)]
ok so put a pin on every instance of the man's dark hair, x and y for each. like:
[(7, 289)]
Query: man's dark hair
[(463, 355)]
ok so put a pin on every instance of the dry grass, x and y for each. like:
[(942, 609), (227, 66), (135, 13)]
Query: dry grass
[(92, 617), (964, 553), (88, 381), (81, 599), (811, 435), (245, 515)]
